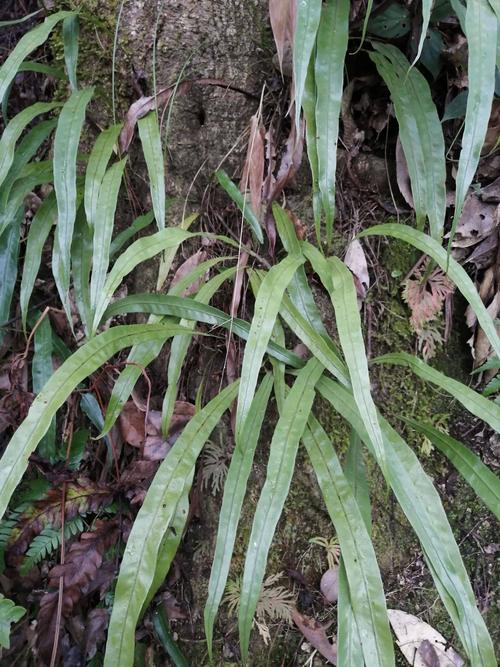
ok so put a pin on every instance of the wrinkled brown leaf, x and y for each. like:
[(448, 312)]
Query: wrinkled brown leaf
[(425, 297), (479, 219), (315, 634), (95, 631), (185, 269), (402, 175), (253, 170), (356, 261), (282, 15)]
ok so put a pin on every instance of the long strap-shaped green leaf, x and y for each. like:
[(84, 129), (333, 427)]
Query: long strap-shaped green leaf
[(470, 399), (455, 272), (426, 17), (38, 232), (421, 135), (103, 229), (66, 140), (189, 309), (9, 253), (267, 305), (14, 130), (420, 502), (96, 169), (28, 43), (75, 369), (33, 174), (331, 47), (482, 480), (180, 345), (365, 583), (349, 650), (234, 492), (481, 26), (28, 147), (241, 202), (280, 467), (309, 108), (81, 266), (139, 560), (306, 28), (137, 252), (149, 132), (344, 299)]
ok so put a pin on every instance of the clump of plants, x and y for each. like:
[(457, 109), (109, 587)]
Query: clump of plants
[(84, 519)]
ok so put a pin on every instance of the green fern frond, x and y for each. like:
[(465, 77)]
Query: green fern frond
[(47, 542)]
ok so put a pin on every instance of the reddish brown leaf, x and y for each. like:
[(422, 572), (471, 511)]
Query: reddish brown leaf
[(426, 296), (315, 634), (95, 631), (253, 170), (83, 560), (282, 15), (402, 175), (185, 269)]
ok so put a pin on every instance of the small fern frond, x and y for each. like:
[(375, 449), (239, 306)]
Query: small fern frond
[(47, 542)]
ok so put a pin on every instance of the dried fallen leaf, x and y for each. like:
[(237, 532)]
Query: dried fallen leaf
[(185, 269), (402, 175), (416, 638), (315, 634), (425, 296), (355, 259), (479, 219), (281, 13), (253, 170)]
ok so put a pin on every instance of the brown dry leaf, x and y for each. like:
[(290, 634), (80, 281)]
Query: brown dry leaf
[(95, 630), (402, 175), (356, 261), (479, 219), (491, 193), (146, 104), (329, 584), (420, 643), (426, 297), (172, 607), (486, 292), (315, 634), (253, 170), (482, 349), (185, 269), (493, 132), (282, 15)]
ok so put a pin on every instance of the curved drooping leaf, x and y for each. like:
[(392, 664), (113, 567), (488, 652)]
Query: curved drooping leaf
[(149, 133), (479, 477), (28, 147), (349, 650), (481, 28), (304, 40), (267, 304), (137, 252), (66, 140), (11, 22), (67, 377), (9, 253), (189, 309), (13, 131), (426, 17), (331, 47), (232, 502), (309, 108), (71, 31), (180, 345), (342, 291), (366, 591), (41, 371), (170, 543), (240, 200), (280, 467), (103, 229), (298, 288), (28, 43), (38, 232), (31, 176), (96, 168), (455, 272), (157, 511), (420, 502), (122, 237), (420, 133), (470, 399)]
